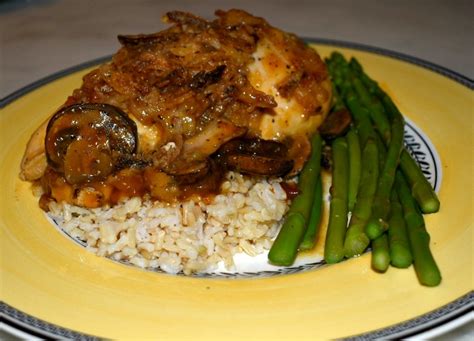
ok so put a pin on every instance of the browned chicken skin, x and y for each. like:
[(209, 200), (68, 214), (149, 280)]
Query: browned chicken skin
[(187, 91)]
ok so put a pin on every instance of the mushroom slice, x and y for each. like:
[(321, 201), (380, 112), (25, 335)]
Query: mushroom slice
[(255, 156), (189, 173), (336, 124), (254, 146), (258, 165), (85, 142)]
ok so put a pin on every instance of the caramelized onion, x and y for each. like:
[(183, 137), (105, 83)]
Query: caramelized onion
[(135, 39)]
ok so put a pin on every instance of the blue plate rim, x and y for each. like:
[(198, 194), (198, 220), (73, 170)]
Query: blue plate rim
[(21, 321)]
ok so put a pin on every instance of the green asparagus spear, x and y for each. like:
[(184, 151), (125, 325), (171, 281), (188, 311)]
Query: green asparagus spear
[(334, 247), (285, 246), (420, 187), (382, 151), (337, 101), (307, 180), (377, 223), (422, 191), (337, 58), (342, 75), (381, 208), (354, 166), (345, 73), (380, 253), (400, 253), (356, 241), (375, 108), (379, 257), (425, 266), (311, 234), (370, 84)]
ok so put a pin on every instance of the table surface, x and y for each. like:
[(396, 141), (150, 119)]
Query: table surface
[(40, 37)]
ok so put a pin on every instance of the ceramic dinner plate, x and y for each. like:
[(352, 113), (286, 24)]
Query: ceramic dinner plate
[(52, 286)]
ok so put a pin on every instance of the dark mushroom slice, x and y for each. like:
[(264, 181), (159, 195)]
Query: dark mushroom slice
[(254, 146), (255, 156), (186, 173), (336, 124), (86, 142), (258, 165)]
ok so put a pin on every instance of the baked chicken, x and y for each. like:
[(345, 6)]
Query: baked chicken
[(172, 110)]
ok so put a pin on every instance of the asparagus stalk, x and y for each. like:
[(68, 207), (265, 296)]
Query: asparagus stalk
[(342, 75), (334, 247), (382, 151), (308, 179), (380, 250), (337, 100), (312, 230), (400, 253), (380, 253), (425, 266), (356, 241), (420, 187), (354, 167), (422, 191), (285, 246), (377, 223), (375, 108)]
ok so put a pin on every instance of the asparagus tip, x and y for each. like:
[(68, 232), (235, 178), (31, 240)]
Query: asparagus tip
[(430, 206)]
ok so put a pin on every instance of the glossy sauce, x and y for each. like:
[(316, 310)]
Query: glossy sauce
[(125, 184)]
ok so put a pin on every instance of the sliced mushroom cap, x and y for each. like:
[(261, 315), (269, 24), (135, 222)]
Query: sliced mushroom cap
[(258, 165), (86, 142), (336, 124), (254, 146), (189, 173), (255, 156)]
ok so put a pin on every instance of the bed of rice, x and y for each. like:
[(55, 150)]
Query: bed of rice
[(189, 237)]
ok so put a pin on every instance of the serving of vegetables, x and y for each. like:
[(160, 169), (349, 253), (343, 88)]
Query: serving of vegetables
[(378, 192)]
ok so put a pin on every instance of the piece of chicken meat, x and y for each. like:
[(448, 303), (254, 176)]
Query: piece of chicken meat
[(167, 104)]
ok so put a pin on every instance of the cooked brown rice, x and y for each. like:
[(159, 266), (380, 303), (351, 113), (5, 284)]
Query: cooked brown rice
[(189, 236)]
